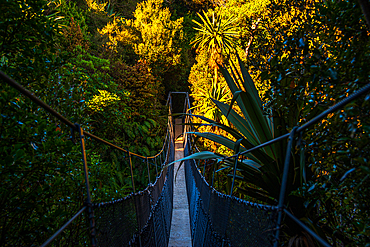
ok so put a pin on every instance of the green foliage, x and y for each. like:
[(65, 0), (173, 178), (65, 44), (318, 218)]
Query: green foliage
[(73, 40), (26, 50), (142, 107), (339, 157), (125, 9), (217, 37), (70, 10), (103, 100)]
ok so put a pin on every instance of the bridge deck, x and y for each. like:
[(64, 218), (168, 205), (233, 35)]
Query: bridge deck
[(180, 226)]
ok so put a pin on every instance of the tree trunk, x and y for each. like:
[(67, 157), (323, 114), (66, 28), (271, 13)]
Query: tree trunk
[(216, 75)]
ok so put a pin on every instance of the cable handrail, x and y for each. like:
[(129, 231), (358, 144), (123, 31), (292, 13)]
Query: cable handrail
[(73, 126)]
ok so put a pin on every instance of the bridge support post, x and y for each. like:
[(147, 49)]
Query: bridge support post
[(90, 210), (132, 172), (234, 174), (283, 185)]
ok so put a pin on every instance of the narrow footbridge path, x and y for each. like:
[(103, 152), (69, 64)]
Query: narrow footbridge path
[(180, 226)]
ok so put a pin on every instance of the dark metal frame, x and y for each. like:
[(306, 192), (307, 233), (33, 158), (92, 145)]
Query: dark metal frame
[(187, 109)]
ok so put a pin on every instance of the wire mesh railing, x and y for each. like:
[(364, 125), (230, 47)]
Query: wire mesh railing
[(140, 219), (217, 219), (221, 220), (224, 220)]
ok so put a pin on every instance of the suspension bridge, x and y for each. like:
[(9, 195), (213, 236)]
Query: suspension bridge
[(186, 211)]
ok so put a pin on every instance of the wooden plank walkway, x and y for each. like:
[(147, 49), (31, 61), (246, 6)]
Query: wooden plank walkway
[(180, 235)]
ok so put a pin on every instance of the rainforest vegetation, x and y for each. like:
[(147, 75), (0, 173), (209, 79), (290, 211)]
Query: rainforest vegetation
[(109, 65)]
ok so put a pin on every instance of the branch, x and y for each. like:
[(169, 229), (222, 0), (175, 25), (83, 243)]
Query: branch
[(254, 26), (365, 7)]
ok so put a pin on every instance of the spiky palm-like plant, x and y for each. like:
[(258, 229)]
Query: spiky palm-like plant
[(216, 36)]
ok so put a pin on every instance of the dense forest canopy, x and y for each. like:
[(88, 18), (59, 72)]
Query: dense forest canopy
[(109, 65)]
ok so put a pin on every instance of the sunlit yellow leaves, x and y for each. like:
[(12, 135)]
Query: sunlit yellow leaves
[(243, 9), (152, 35), (159, 34), (93, 4), (117, 31), (102, 100)]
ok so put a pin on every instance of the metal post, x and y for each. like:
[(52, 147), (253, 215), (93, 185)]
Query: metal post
[(167, 152), (184, 108), (185, 130), (156, 169), (132, 173), (234, 174), (133, 196), (283, 185), (90, 211), (147, 165)]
